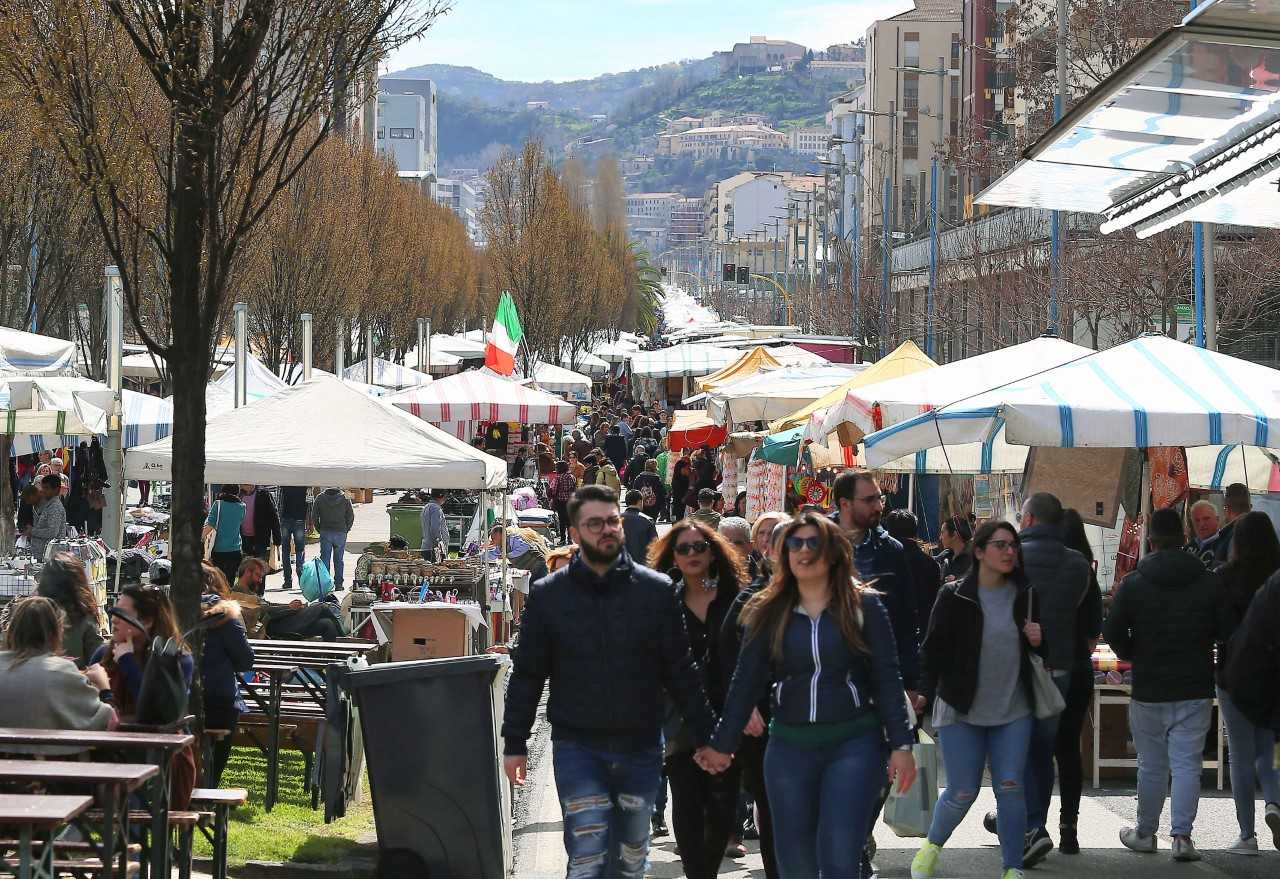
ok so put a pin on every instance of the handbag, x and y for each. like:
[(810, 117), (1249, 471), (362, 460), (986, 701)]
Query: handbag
[(273, 558), (1049, 701), (909, 814), (212, 536)]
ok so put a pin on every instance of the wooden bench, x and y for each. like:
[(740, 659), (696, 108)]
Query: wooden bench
[(38, 816), (220, 802)]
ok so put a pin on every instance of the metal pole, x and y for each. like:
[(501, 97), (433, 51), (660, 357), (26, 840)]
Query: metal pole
[(306, 345), (1197, 273), (113, 454), (933, 257), (423, 360), (859, 194), (368, 352), (340, 350), (427, 326), (1055, 220), (242, 343), (885, 256), (1210, 292)]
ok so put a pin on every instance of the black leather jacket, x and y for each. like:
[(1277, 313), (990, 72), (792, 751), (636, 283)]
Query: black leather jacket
[(610, 647)]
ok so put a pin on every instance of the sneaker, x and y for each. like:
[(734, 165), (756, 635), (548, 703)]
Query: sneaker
[(1012, 873), (868, 869), (1242, 846), (749, 829), (989, 822), (925, 862), (1135, 841), (1273, 822), (1068, 842), (1184, 849), (1038, 845), (735, 849), (659, 827)]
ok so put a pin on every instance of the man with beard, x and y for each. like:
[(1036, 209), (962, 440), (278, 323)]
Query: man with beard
[(881, 562), (609, 635)]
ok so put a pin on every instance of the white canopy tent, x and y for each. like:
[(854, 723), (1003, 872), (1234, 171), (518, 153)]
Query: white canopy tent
[(441, 360), (1152, 391), (686, 360), (32, 354), (259, 382), (616, 352), (585, 362), (774, 393), (868, 408), (558, 380), (482, 395), (143, 364), (324, 432), (387, 374), (457, 346)]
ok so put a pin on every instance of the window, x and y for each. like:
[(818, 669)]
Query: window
[(402, 134), (381, 134), (908, 203), (955, 51), (910, 92), (911, 49), (910, 133)]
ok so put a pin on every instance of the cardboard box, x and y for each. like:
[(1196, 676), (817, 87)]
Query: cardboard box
[(428, 633)]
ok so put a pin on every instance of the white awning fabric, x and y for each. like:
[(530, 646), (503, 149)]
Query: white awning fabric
[(388, 375), (325, 432), (32, 354), (686, 359), (775, 393)]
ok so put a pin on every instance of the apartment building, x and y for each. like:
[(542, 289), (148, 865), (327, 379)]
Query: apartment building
[(685, 225), (809, 140), (711, 140), (912, 104), (406, 127), (465, 197)]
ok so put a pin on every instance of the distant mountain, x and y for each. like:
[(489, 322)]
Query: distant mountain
[(602, 94)]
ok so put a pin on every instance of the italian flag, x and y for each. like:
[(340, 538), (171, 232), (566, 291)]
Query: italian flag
[(504, 338)]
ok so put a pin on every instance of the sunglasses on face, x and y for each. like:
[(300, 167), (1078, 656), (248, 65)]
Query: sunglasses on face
[(798, 543), (693, 547)]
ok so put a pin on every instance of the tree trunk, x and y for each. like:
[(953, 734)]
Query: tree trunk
[(6, 500)]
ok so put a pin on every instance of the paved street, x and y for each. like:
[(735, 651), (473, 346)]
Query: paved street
[(972, 851)]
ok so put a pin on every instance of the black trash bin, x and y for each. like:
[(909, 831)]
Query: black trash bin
[(434, 757)]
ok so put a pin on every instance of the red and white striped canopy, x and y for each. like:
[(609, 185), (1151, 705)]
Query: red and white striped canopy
[(481, 395)]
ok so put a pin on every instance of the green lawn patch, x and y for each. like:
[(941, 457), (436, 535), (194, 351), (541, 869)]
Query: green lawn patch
[(291, 831)]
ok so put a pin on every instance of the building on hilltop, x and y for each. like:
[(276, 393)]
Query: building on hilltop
[(760, 54), (811, 141), (650, 209), (405, 133), (711, 140), (465, 197), (685, 225)]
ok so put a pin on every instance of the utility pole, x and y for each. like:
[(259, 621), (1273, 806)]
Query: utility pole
[(1055, 219), (886, 254)]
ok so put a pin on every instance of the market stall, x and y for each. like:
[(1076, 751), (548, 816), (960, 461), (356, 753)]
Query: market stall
[(693, 429), (774, 393), (667, 374), (32, 354), (387, 374), (758, 359), (554, 379)]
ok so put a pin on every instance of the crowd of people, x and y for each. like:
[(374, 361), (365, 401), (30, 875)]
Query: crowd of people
[(792, 661)]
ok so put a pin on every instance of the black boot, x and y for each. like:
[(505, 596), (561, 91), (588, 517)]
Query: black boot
[(1068, 844)]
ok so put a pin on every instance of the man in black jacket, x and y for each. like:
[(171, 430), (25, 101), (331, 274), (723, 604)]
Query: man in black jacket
[(1164, 619), (615, 447), (261, 527), (1235, 503), (1060, 576), (609, 635), (293, 530)]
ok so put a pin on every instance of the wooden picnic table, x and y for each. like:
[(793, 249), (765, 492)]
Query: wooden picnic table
[(159, 749), (113, 782), (45, 815)]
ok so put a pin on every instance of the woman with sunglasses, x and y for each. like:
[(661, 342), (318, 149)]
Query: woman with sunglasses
[(707, 577), (977, 670), (823, 644)]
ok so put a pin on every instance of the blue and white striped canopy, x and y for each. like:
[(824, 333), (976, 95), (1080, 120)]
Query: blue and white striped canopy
[(146, 418), (1153, 391)]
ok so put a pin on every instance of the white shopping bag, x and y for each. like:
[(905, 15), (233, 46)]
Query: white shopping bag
[(909, 814)]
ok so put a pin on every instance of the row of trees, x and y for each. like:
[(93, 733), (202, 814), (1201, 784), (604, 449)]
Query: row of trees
[(558, 242)]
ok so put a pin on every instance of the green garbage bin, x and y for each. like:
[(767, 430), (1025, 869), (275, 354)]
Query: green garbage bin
[(406, 522)]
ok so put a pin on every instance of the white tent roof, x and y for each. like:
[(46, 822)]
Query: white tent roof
[(482, 395), (458, 346), (31, 354), (1152, 391), (774, 393), (143, 364), (616, 352), (908, 396), (794, 355), (439, 359), (324, 432), (681, 360), (559, 380), (386, 374), (585, 362), (259, 381)]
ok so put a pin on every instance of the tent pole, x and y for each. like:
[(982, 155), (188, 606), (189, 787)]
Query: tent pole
[(242, 349), (113, 453), (1145, 505), (306, 345)]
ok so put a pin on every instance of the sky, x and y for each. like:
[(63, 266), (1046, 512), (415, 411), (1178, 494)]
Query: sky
[(560, 40)]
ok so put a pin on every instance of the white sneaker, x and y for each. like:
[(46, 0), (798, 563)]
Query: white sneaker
[(1244, 846), (1135, 841), (1273, 822), (1184, 849)]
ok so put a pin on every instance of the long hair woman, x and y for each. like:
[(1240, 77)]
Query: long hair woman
[(64, 582), (681, 481), (226, 652), (1254, 555), (1080, 691), (707, 576), (977, 664), (822, 643)]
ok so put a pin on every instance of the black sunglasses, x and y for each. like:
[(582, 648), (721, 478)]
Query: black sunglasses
[(692, 548), (797, 543)]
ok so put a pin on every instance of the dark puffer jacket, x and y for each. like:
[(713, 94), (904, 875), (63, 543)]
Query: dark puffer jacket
[(610, 646), (1254, 664), (1164, 619), (1061, 578), (882, 563)]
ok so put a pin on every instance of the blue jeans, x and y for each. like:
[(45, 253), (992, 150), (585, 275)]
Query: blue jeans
[(822, 801), (1169, 737), (606, 799), (333, 543), (292, 531), (1251, 748), (1038, 779), (965, 750)]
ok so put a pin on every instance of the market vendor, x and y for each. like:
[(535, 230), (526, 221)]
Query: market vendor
[(525, 550)]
